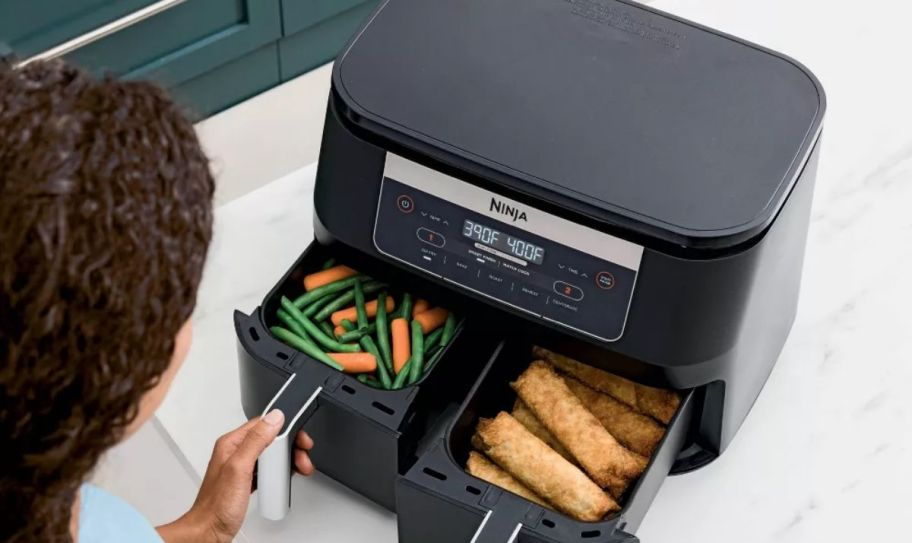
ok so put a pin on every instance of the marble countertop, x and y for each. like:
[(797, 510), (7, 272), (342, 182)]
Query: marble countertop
[(825, 453)]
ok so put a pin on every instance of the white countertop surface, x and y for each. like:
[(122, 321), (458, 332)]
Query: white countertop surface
[(824, 455)]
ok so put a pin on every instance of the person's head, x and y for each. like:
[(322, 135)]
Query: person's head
[(105, 218)]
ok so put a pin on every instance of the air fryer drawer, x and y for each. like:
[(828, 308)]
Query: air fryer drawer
[(439, 501), (352, 417)]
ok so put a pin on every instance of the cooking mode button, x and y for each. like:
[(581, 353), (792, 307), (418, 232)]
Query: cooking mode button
[(568, 291), (431, 237)]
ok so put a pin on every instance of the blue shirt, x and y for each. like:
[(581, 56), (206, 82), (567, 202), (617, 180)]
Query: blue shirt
[(104, 518)]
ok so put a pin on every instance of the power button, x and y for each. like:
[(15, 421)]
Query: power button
[(405, 203)]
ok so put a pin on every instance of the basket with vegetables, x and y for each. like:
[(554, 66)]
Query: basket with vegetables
[(388, 346)]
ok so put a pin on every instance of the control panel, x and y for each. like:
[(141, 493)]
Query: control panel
[(542, 264)]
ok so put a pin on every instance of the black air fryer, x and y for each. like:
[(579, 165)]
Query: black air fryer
[(594, 176)]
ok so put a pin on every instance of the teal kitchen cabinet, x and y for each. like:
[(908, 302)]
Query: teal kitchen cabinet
[(210, 53), (316, 30)]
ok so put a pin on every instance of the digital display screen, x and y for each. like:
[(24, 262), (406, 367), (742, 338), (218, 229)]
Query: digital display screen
[(503, 242)]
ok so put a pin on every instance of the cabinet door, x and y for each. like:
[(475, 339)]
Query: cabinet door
[(230, 83), (319, 43)]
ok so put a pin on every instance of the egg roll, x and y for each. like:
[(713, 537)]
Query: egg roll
[(521, 412), (533, 463), (527, 418), (484, 469), (658, 403), (565, 416), (637, 432)]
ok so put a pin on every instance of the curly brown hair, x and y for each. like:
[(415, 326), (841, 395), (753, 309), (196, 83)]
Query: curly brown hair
[(105, 219)]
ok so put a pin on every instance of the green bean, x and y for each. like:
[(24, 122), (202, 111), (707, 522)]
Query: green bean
[(403, 375), (312, 309), (327, 328), (405, 310), (359, 305), (305, 347), (368, 344), (326, 290), (449, 328), (383, 339), (433, 359), (417, 352), (329, 263), (345, 299), (348, 325), (292, 324), (320, 336), (362, 378), (432, 339), (357, 334)]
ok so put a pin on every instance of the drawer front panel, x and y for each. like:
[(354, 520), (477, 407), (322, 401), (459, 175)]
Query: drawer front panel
[(29, 27), (300, 14), (185, 41)]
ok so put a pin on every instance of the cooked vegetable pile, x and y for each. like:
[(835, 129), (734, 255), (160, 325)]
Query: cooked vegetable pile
[(388, 346)]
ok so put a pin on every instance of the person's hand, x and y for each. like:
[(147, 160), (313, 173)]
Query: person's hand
[(218, 512)]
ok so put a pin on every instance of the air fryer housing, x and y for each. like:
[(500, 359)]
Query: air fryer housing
[(694, 151)]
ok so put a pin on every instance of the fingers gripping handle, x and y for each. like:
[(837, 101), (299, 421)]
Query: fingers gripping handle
[(497, 529), (298, 401)]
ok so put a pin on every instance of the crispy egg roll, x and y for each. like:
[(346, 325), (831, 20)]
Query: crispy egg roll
[(538, 467), (521, 412), (527, 418), (657, 403), (484, 469), (565, 416), (637, 432)]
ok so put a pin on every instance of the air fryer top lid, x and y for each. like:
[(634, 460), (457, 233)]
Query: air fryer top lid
[(613, 110)]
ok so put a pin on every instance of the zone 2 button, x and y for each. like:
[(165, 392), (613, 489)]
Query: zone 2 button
[(568, 291), (405, 203)]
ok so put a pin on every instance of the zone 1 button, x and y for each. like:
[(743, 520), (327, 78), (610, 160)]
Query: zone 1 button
[(405, 203), (569, 291), (431, 237), (604, 280)]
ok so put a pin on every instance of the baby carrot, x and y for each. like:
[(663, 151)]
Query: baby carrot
[(339, 330), (399, 329), (432, 319), (421, 305), (351, 313), (325, 277), (355, 362)]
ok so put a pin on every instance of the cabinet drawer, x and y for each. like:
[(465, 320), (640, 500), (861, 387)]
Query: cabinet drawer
[(321, 42), (28, 27), (185, 41), (300, 14)]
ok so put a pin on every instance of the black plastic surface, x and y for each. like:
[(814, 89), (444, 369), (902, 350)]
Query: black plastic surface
[(603, 107)]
